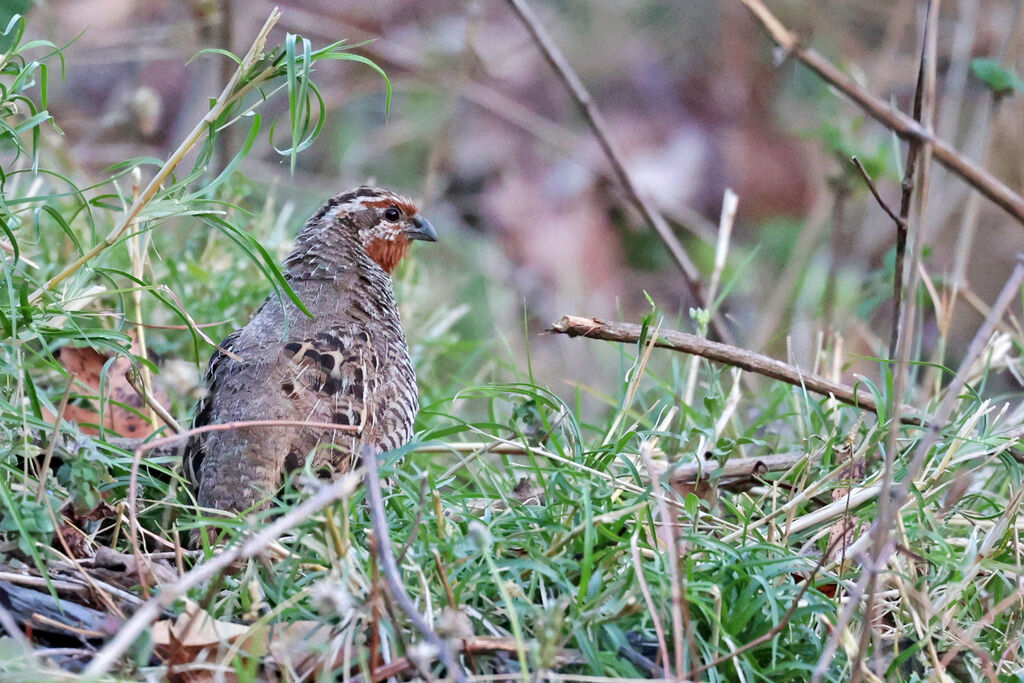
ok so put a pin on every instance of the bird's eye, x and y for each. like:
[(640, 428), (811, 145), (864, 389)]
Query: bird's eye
[(392, 214)]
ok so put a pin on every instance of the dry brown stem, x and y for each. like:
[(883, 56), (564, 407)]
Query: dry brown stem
[(682, 625), (901, 239), (736, 472), (595, 119), (919, 152), (389, 567), (901, 124), (593, 328)]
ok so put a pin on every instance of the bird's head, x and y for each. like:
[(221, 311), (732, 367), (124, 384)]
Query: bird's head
[(384, 223)]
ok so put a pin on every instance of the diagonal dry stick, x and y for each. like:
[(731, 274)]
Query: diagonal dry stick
[(594, 118), (133, 479), (594, 328), (901, 237), (901, 124), (382, 548), (150, 610)]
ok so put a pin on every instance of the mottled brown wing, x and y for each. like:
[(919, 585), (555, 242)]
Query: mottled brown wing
[(351, 374), (330, 377)]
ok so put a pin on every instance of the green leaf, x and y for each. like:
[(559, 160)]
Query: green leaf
[(348, 57), (1000, 80), (692, 504), (232, 166), (260, 256), (215, 51), (297, 72)]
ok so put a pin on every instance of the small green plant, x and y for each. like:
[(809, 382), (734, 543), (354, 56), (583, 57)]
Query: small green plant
[(1001, 80)]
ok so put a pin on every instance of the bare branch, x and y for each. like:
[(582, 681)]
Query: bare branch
[(382, 547), (874, 191), (901, 124), (903, 312), (901, 238), (593, 328), (594, 118), (735, 473)]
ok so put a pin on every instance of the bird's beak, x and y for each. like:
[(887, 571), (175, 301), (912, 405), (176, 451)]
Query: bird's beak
[(421, 229)]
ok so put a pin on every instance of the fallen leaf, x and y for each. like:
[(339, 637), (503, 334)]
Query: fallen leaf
[(124, 412), (198, 648), (844, 530), (72, 527), (195, 638)]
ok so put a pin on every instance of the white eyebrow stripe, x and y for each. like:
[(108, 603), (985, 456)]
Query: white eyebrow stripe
[(359, 203)]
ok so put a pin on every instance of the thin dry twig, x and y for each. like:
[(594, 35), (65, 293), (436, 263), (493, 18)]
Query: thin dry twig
[(682, 626), (924, 103), (169, 593), (594, 328), (133, 480), (874, 191), (885, 520), (768, 635), (901, 238), (595, 119), (143, 389), (382, 546), (903, 305), (880, 110), (735, 472), (44, 469), (652, 609)]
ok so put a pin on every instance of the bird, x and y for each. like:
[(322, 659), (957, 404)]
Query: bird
[(348, 364)]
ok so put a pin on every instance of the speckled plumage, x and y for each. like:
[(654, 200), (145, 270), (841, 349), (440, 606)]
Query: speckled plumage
[(349, 364)]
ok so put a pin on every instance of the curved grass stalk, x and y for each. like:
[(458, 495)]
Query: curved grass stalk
[(228, 96)]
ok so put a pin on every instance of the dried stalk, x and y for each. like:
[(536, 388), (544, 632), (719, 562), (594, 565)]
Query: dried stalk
[(593, 328), (382, 548), (594, 118), (904, 306), (901, 124), (889, 509)]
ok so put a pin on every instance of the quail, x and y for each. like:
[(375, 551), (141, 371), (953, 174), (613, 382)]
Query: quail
[(348, 364)]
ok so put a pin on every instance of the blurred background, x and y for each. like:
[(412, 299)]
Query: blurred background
[(532, 223)]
